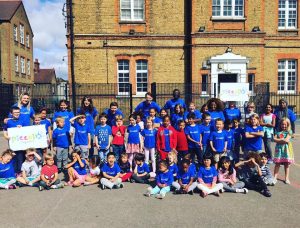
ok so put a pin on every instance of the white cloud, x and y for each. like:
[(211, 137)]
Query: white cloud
[(48, 26)]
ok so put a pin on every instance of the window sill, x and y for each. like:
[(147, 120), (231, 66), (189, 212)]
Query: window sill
[(23, 75), (139, 95), (132, 22), (219, 18), (286, 92)]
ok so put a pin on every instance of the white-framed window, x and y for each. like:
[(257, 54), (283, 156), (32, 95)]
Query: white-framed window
[(27, 40), (287, 14), (141, 76), (228, 9), (123, 77), (15, 33), (22, 60), (204, 84), (287, 76), (132, 10), (28, 66), (16, 63), (21, 34)]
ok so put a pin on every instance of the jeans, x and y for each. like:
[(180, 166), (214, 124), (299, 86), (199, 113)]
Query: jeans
[(141, 180), (118, 150), (157, 190), (208, 190), (62, 157), (84, 150), (255, 183), (103, 154), (232, 188), (43, 184), (109, 184), (236, 153), (268, 148), (19, 158), (91, 150), (176, 185)]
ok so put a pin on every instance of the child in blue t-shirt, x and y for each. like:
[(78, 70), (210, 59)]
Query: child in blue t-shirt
[(7, 173), (177, 116), (156, 120), (232, 112), (253, 136), (193, 135), (141, 173), (61, 143), (76, 170), (82, 138), (207, 178), (230, 139), (65, 113), (218, 141), (186, 179), (149, 135), (192, 109), (133, 138), (164, 180), (205, 129), (237, 135), (103, 137), (111, 173)]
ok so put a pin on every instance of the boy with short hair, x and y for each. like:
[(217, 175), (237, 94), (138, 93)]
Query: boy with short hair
[(82, 138), (141, 173), (265, 170), (111, 173)]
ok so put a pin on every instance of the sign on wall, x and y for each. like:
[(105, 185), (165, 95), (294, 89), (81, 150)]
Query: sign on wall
[(234, 92), (27, 137)]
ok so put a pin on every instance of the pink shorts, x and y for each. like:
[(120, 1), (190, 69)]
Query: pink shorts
[(132, 148), (79, 177)]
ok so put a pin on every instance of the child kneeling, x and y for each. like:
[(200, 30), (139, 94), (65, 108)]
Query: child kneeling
[(111, 173), (164, 180)]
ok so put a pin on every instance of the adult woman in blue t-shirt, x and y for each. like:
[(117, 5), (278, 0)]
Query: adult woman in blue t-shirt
[(215, 110), (284, 112)]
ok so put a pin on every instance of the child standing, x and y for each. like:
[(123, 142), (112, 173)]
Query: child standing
[(125, 167), (65, 113), (237, 139), (103, 137), (205, 129), (156, 120), (61, 143), (230, 140), (141, 173), (227, 176), (7, 172), (265, 169), (164, 180), (284, 149), (182, 143), (76, 170), (30, 170), (111, 173), (166, 139), (149, 135), (94, 176), (118, 133), (133, 139), (207, 178), (177, 116), (192, 109), (232, 112), (49, 174)]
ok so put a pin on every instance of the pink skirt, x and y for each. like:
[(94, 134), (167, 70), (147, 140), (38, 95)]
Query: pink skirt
[(79, 177), (132, 148)]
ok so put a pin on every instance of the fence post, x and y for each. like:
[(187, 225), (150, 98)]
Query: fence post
[(153, 90), (66, 92), (215, 90), (130, 98)]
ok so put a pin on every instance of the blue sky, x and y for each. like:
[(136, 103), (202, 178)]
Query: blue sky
[(49, 40)]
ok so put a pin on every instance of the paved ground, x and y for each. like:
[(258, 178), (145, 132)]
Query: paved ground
[(127, 207)]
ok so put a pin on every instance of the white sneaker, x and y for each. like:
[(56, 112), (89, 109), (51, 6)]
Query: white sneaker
[(160, 196), (245, 190), (53, 186), (274, 181), (287, 182)]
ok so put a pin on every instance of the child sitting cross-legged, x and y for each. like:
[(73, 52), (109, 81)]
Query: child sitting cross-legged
[(94, 176), (7, 172), (141, 172), (76, 169)]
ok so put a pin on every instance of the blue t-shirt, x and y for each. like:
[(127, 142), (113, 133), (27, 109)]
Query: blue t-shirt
[(216, 115), (233, 113), (194, 133), (7, 170), (111, 171), (193, 169), (111, 117), (205, 133), (175, 118), (144, 107), (47, 124), (14, 123), (173, 169), (170, 104), (80, 170), (207, 175), (253, 144), (61, 137), (198, 114), (167, 140), (90, 116), (134, 134), (144, 168), (103, 133), (230, 139), (67, 115), (165, 178), (25, 114), (185, 177), (149, 138), (218, 139), (81, 134)]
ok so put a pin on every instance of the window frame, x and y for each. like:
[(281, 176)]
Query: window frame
[(228, 17), (286, 71), (28, 67), (287, 15), (123, 72), (27, 40), (22, 65), (16, 63), (204, 84), (15, 33), (141, 93), (132, 9), (22, 34)]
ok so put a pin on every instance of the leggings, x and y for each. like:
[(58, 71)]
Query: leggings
[(208, 190), (126, 176), (158, 190), (151, 152), (176, 185), (109, 184)]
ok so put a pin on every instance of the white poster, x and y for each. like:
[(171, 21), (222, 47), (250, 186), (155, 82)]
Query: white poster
[(234, 92), (27, 137)]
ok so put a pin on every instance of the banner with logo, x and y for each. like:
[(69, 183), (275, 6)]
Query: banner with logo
[(234, 92)]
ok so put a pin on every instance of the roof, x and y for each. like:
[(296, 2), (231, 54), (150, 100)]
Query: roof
[(8, 9), (44, 76)]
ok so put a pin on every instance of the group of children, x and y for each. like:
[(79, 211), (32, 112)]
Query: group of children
[(193, 149)]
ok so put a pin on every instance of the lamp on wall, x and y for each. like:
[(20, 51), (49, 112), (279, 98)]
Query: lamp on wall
[(228, 50), (256, 29), (201, 29), (204, 64)]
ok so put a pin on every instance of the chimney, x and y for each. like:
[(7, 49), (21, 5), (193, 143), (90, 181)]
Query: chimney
[(36, 66)]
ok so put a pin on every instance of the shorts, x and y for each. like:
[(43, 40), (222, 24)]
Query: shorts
[(33, 177), (217, 156), (132, 148), (80, 177)]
